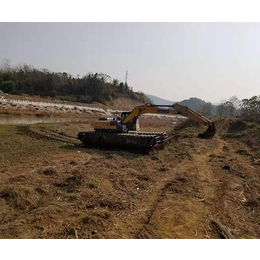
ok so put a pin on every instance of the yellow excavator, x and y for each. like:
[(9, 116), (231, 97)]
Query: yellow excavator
[(121, 133)]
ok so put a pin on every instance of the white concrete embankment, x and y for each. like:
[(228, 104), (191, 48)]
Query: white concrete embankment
[(53, 107)]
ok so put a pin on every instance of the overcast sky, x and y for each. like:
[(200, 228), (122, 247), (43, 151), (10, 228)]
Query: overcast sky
[(175, 61)]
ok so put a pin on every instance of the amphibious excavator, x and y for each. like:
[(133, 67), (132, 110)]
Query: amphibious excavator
[(120, 133)]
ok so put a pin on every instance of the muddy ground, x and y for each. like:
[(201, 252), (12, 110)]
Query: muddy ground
[(52, 187)]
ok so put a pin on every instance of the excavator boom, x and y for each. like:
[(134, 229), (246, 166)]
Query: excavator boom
[(172, 110)]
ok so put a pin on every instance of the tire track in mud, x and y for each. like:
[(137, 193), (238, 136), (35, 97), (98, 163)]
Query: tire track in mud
[(231, 170), (178, 186), (27, 131), (193, 190), (159, 199), (173, 192), (60, 135)]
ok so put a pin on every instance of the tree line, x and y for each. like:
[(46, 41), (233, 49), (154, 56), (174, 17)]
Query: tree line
[(246, 109), (93, 87)]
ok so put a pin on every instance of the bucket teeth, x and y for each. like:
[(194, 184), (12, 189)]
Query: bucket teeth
[(134, 142)]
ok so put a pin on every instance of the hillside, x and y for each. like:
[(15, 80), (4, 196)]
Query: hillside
[(25, 105), (159, 101), (92, 87), (193, 102)]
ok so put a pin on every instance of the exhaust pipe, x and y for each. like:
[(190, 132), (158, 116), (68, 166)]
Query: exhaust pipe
[(209, 133)]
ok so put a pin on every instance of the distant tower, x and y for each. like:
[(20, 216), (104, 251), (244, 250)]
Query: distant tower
[(126, 76)]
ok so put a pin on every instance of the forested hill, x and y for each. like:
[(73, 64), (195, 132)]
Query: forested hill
[(97, 87), (193, 103), (159, 101)]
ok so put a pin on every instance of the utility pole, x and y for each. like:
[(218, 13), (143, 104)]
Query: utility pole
[(126, 76)]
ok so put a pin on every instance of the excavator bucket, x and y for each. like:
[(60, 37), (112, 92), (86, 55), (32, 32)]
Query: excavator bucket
[(195, 116), (209, 133)]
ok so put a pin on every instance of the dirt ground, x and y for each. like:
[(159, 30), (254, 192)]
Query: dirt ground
[(52, 187)]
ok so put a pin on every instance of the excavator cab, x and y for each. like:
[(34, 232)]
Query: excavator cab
[(124, 115)]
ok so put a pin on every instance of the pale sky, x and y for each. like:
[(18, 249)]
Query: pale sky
[(175, 61)]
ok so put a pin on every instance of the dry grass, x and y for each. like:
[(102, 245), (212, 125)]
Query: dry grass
[(51, 188)]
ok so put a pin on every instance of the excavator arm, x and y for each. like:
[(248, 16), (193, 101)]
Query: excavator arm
[(172, 110), (195, 116)]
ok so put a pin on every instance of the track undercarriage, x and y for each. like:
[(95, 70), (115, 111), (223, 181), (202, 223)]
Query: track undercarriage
[(138, 142)]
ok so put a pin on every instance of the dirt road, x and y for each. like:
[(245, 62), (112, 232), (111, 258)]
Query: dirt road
[(192, 188)]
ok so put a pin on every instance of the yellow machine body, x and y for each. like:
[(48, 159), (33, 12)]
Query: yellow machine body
[(105, 125), (119, 133), (128, 119)]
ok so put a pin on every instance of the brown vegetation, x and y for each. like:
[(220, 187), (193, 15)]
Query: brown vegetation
[(51, 187)]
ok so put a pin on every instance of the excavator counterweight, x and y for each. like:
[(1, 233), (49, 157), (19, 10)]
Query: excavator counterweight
[(121, 133)]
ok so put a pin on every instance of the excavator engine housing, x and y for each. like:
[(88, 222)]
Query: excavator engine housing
[(109, 125)]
